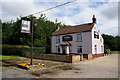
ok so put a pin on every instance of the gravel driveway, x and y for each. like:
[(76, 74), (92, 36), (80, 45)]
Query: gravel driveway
[(102, 67)]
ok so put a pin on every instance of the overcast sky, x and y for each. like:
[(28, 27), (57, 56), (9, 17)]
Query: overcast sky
[(75, 13)]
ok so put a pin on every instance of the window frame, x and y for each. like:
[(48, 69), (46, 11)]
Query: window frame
[(96, 34), (79, 37), (102, 49), (57, 47), (79, 48), (95, 47), (57, 39)]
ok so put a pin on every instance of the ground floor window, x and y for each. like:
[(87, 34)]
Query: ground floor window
[(58, 49), (95, 48), (102, 49), (79, 49)]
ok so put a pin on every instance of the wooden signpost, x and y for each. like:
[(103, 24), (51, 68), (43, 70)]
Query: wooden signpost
[(27, 27)]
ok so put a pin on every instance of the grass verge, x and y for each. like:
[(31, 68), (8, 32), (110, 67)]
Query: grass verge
[(115, 51), (4, 57)]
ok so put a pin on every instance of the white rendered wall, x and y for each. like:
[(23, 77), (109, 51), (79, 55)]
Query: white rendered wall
[(86, 43), (53, 41), (97, 42)]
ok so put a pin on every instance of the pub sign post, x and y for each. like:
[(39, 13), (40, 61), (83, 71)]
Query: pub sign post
[(27, 27)]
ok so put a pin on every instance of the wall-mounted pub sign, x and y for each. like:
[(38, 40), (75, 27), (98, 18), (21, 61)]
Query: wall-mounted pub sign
[(67, 38), (25, 25)]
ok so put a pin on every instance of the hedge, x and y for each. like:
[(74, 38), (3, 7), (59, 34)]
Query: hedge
[(20, 50)]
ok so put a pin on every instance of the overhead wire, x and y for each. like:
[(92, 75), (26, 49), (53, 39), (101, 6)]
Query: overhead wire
[(49, 8)]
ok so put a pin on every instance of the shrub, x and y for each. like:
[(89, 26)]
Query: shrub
[(20, 50)]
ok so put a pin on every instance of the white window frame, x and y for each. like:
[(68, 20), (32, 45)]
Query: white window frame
[(101, 39), (79, 37), (95, 47), (102, 49), (57, 47), (96, 35), (57, 39), (79, 47)]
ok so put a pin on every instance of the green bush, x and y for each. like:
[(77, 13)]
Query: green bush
[(20, 50)]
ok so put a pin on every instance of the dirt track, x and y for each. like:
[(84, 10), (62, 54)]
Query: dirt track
[(102, 67)]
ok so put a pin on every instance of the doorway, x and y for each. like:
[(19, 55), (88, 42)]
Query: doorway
[(63, 49)]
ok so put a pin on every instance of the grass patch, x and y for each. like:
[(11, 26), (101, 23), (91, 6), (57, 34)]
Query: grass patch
[(4, 57), (115, 51)]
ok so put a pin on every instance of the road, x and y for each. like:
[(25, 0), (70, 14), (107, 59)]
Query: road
[(102, 67)]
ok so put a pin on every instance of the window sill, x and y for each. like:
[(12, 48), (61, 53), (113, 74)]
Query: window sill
[(78, 41), (57, 43), (79, 53)]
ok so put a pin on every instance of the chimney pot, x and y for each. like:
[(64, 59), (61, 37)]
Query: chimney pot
[(94, 19)]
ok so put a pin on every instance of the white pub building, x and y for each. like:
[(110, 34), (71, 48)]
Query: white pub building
[(79, 39)]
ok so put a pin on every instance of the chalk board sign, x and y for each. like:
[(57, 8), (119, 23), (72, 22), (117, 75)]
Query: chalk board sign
[(67, 38)]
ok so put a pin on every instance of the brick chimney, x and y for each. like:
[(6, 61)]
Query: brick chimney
[(94, 19)]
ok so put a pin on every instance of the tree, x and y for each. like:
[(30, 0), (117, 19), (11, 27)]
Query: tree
[(111, 42), (42, 32)]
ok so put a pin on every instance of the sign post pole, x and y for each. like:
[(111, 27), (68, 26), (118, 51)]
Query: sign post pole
[(31, 41), (27, 27)]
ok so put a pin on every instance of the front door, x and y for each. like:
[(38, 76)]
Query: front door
[(63, 49)]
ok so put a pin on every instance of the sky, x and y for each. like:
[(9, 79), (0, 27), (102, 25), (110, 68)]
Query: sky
[(75, 13)]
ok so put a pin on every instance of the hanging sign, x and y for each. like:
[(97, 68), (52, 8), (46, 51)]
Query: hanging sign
[(67, 38), (25, 25)]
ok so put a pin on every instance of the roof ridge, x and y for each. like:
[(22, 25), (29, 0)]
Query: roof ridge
[(74, 29)]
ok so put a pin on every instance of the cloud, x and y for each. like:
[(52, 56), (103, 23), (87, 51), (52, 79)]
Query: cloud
[(74, 13), (16, 1), (11, 10), (110, 11)]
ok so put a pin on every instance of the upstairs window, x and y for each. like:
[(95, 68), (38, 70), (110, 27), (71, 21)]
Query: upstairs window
[(57, 39), (96, 35), (100, 39), (79, 49), (79, 37)]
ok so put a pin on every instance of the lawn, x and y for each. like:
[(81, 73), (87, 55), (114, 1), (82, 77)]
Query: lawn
[(115, 51), (4, 57)]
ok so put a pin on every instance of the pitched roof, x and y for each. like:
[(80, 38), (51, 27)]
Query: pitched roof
[(74, 29)]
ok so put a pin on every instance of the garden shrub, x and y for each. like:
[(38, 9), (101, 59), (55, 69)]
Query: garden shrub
[(20, 50)]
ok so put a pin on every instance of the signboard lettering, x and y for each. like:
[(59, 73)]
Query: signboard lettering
[(25, 26), (67, 38)]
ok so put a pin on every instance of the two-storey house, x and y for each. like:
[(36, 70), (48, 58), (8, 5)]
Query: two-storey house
[(79, 39)]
